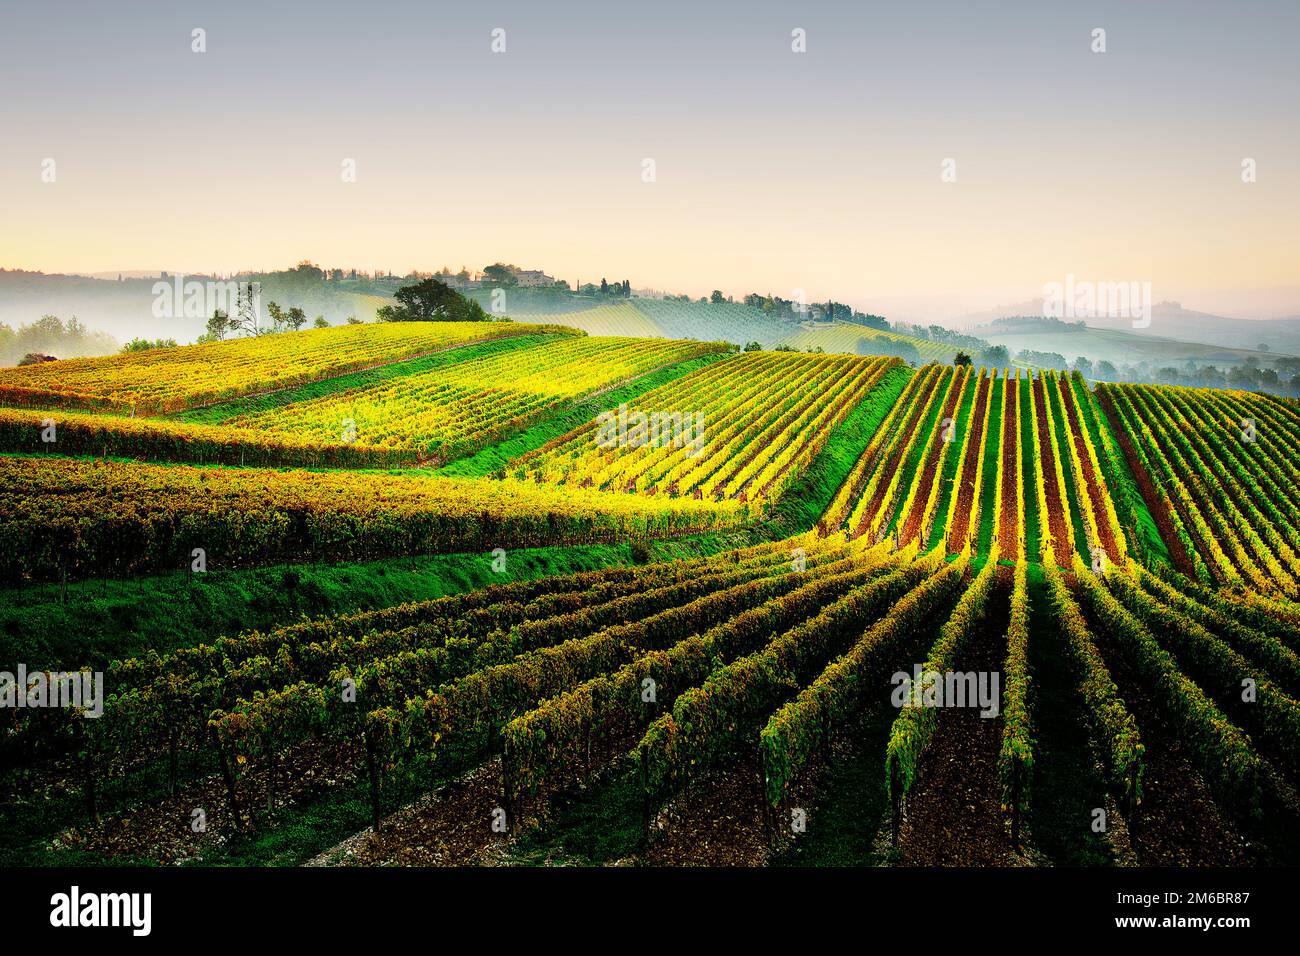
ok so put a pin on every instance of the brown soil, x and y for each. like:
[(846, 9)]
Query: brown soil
[(1178, 823), (452, 827), (716, 822), (953, 815), (161, 830)]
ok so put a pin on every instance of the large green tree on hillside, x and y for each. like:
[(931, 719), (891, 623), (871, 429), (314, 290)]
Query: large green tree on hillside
[(430, 301)]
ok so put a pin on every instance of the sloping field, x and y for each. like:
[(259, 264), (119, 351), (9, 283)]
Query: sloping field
[(81, 518), (740, 708), (741, 428), (450, 411), (660, 318), (165, 380), (852, 339), (619, 318), (1223, 474)]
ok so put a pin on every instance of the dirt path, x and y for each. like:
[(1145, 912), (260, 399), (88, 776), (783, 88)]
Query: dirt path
[(953, 815)]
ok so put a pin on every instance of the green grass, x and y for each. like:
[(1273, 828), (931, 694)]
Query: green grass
[(595, 827), (221, 413), (852, 803), (989, 477), (494, 458), (109, 619)]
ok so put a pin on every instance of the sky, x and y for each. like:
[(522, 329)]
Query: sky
[(774, 170)]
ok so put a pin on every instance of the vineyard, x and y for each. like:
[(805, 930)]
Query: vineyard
[(771, 412), (167, 380), (736, 323), (853, 339), (662, 318), (446, 412), (942, 616)]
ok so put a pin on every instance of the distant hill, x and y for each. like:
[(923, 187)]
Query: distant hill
[(125, 309), (852, 339), (1120, 346), (1169, 322), (664, 318)]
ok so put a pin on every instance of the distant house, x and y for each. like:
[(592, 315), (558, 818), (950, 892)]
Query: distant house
[(458, 282), (533, 278)]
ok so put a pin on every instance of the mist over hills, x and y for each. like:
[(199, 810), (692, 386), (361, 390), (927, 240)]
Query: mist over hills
[(125, 309)]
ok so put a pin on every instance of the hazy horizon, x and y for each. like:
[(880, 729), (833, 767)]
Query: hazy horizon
[(774, 170)]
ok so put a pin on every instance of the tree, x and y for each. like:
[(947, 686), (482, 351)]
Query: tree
[(36, 358), (961, 358), (754, 347), (995, 356), (353, 320), (321, 322), (144, 345), (218, 325), (246, 319), (1105, 371), (627, 288), (296, 318), (604, 286), (499, 274), (716, 297), (1083, 365), (430, 301)]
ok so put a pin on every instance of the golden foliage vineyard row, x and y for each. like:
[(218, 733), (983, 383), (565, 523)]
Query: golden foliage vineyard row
[(168, 380), (49, 432), (744, 427), (1224, 467), (78, 518), (446, 411)]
